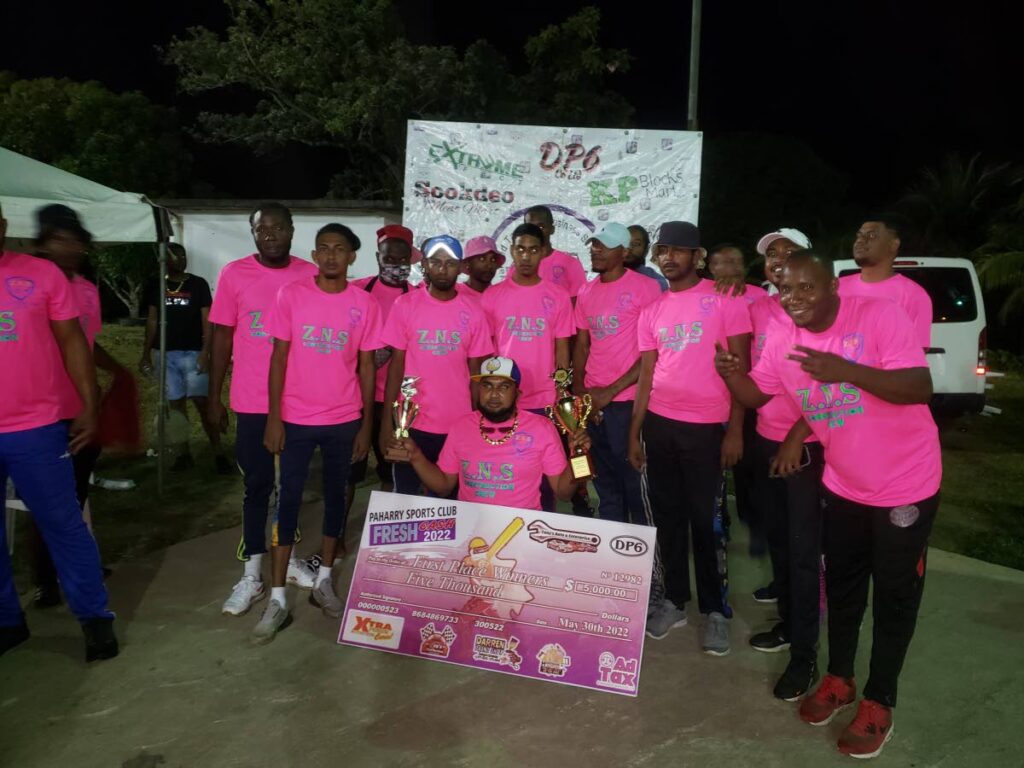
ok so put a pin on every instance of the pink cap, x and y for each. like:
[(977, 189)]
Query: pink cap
[(478, 246)]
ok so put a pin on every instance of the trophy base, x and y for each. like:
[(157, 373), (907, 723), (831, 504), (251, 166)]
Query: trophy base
[(397, 457), (582, 467)]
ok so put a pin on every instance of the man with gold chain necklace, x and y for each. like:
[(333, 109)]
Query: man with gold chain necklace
[(498, 453)]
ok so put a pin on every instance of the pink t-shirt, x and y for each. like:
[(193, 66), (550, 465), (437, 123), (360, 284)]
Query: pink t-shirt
[(327, 331), (912, 297), (609, 313), (32, 293), (683, 327), (470, 293), (245, 299), (753, 293), (525, 321), (439, 338), (777, 417), (563, 269), (87, 299), (386, 297), (510, 474), (876, 453)]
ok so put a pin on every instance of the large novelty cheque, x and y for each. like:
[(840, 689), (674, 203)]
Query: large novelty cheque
[(469, 179), (536, 594)]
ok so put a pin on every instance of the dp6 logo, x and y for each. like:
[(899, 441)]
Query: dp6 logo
[(630, 546)]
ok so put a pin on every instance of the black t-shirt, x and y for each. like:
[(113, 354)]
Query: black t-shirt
[(185, 301)]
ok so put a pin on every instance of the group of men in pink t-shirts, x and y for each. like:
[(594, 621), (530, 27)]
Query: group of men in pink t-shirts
[(845, 456)]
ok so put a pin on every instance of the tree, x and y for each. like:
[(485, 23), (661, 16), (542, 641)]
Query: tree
[(127, 269), (121, 140), (354, 92), (1001, 261), (952, 205)]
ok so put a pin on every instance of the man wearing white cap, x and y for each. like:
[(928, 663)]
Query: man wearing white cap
[(788, 464), (501, 454), (607, 362)]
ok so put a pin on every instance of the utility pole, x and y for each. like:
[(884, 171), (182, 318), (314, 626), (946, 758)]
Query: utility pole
[(691, 107)]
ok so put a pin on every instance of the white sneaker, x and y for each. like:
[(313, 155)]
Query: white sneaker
[(301, 573), (324, 598), (246, 592), (275, 618)]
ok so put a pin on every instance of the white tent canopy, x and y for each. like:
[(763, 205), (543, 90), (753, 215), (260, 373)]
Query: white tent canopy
[(26, 185)]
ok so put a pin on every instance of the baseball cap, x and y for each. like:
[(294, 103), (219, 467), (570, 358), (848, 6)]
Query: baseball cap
[(442, 243), (786, 233), (397, 232), (612, 235), (477, 246), (501, 367), (681, 234)]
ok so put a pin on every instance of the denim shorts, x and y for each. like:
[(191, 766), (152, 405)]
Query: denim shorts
[(183, 380)]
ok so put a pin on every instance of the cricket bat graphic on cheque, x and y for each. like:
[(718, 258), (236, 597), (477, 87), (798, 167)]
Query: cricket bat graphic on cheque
[(504, 538)]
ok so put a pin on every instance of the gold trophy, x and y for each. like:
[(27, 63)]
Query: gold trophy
[(404, 411), (570, 413)]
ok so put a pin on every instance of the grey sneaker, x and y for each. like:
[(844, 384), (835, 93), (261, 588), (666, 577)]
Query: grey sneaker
[(275, 618), (665, 618), (324, 598), (716, 634)]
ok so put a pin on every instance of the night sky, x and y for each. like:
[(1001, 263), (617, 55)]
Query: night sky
[(877, 90)]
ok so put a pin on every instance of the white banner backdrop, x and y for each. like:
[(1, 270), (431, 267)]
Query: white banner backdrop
[(469, 179)]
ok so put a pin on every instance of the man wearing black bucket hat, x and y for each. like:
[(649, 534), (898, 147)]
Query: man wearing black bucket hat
[(686, 428)]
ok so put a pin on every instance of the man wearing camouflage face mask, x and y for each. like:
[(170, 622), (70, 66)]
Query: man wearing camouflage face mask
[(395, 257)]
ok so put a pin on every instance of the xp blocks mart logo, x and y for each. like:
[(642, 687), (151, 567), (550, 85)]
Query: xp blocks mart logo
[(373, 629), (617, 672)]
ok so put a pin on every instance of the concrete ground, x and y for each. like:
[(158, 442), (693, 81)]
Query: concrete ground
[(189, 690)]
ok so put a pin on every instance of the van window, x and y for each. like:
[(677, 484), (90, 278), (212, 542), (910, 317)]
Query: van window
[(950, 288)]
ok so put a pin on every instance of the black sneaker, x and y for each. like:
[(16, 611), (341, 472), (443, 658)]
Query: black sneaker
[(222, 465), (46, 596), (100, 642), (796, 681), (766, 594), (12, 637), (772, 641)]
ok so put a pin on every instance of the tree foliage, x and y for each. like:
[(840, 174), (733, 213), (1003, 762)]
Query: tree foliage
[(121, 140), (342, 74)]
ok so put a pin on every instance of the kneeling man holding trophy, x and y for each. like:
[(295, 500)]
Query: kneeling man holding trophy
[(497, 454)]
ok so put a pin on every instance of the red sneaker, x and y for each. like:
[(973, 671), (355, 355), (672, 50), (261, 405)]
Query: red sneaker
[(833, 695), (869, 731)]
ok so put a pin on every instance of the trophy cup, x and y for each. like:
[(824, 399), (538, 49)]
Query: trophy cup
[(570, 413), (404, 411)]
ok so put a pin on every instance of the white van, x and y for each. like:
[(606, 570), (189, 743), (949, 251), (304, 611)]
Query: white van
[(957, 355)]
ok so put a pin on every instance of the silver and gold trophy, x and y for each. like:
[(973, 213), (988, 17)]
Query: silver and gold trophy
[(570, 413), (404, 411)]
